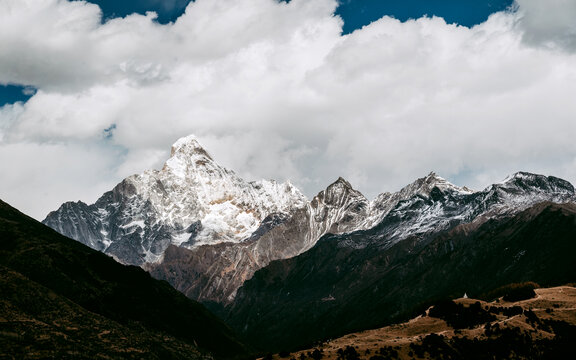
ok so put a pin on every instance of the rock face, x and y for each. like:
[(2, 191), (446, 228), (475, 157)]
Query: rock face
[(213, 273), (191, 202), (431, 205), (203, 228), (206, 231)]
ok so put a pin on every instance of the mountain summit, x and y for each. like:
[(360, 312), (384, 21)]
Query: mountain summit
[(205, 230), (192, 201), (164, 219)]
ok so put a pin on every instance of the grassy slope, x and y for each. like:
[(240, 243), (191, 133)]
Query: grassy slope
[(545, 327)]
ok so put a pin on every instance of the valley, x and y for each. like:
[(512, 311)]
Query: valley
[(541, 327)]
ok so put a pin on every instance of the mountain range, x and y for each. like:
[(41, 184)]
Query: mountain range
[(285, 271)]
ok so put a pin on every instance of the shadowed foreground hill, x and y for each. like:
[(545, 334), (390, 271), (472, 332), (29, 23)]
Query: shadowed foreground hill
[(61, 299)]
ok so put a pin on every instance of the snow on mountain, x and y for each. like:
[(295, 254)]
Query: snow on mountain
[(205, 230), (422, 187), (195, 188), (431, 205), (192, 201), (215, 273), (522, 190)]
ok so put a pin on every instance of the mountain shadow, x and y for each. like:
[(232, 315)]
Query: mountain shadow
[(61, 299)]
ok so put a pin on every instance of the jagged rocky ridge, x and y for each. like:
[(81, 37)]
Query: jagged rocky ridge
[(206, 230), (195, 210)]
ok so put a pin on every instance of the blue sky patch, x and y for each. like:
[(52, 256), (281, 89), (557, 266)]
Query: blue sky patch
[(356, 13), (9, 94)]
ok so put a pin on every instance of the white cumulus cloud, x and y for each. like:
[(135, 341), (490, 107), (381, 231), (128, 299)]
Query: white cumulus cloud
[(274, 90), (549, 23)]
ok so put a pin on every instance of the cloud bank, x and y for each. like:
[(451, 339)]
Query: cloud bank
[(273, 90)]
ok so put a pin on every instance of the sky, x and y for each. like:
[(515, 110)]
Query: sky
[(378, 92)]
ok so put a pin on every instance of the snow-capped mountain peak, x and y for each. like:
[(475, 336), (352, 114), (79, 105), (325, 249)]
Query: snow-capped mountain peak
[(188, 159), (341, 182), (337, 193), (535, 182), (424, 186), (192, 201), (523, 189), (194, 211), (189, 145), (431, 204)]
